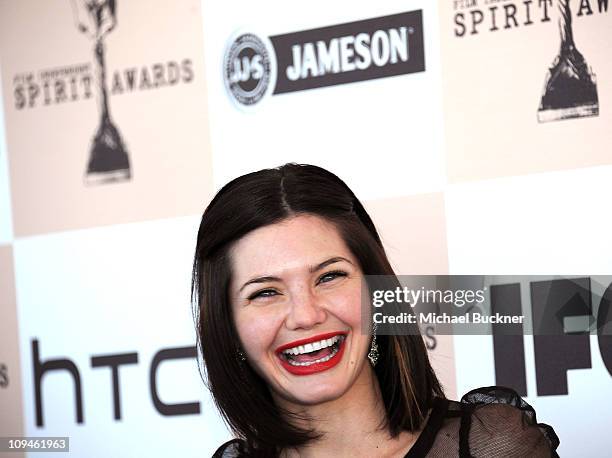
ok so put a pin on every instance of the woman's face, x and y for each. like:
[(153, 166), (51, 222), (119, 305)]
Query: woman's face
[(296, 300)]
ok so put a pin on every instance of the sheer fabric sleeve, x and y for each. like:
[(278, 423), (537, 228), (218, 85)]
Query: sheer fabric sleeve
[(231, 449), (497, 422)]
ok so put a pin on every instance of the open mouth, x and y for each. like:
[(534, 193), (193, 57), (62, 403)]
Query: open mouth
[(312, 355)]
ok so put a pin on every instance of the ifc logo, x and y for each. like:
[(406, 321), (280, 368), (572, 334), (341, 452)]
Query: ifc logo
[(248, 69)]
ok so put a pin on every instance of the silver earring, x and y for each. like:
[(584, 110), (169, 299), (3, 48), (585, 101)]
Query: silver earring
[(240, 355), (373, 354)]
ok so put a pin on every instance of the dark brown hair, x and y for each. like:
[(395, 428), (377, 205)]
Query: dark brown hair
[(407, 381)]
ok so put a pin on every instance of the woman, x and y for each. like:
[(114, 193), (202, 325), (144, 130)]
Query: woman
[(280, 258)]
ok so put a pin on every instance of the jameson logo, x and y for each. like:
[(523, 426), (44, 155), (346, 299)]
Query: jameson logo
[(108, 155), (248, 69), (326, 56), (473, 17)]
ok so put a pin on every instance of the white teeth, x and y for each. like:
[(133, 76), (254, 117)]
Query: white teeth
[(313, 346), (309, 363)]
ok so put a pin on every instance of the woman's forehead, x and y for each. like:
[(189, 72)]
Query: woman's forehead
[(295, 243)]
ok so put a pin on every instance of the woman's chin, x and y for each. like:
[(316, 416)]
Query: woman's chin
[(320, 388), (314, 395)]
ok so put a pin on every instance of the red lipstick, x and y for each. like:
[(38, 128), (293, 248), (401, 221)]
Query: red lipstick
[(337, 350)]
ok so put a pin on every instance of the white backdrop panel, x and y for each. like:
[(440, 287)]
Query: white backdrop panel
[(383, 136), (112, 290), (549, 223)]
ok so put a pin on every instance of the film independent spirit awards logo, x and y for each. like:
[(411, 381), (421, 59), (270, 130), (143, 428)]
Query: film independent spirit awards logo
[(570, 85), (108, 159), (255, 67)]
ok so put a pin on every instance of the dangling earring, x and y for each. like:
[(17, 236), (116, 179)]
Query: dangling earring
[(243, 370), (373, 353)]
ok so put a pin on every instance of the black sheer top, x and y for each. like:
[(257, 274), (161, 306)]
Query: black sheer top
[(492, 422)]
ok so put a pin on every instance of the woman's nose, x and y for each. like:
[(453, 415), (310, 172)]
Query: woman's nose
[(306, 310)]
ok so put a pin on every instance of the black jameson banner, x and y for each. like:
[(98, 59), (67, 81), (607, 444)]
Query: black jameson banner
[(255, 66), (346, 53)]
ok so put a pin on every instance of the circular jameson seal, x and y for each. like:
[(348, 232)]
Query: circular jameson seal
[(247, 69)]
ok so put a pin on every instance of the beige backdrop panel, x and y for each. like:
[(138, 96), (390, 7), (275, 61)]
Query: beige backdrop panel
[(11, 406), (413, 230), (162, 120), (493, 82)]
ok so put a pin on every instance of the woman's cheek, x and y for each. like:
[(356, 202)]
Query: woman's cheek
[(258, 324), (346, 304)]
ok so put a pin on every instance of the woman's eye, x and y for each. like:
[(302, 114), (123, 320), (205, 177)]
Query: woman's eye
[(263, 293), (329, 276)]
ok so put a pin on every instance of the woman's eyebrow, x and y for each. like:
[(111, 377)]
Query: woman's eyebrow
[(326, 263), (312, 269), (259, 280)]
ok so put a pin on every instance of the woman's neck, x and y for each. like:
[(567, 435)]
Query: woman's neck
[(351, 425)]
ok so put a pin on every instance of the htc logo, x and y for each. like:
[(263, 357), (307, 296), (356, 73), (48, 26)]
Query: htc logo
[(113, 362)]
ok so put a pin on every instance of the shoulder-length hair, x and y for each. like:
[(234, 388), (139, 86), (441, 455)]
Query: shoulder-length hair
[(407, 380)]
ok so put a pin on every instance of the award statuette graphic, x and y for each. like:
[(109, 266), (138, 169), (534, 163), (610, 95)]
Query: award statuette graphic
[(570, 90), (108, 158)]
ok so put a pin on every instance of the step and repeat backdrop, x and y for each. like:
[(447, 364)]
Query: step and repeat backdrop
[(477, 133)]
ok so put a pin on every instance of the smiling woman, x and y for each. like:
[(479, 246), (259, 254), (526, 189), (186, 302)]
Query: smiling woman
[(280, 261)]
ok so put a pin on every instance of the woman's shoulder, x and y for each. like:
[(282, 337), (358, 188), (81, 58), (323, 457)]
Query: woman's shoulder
[(231, 449), (496, 422), (492, 422)]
